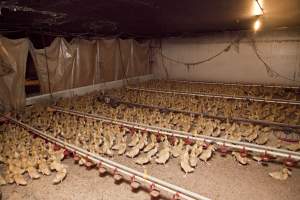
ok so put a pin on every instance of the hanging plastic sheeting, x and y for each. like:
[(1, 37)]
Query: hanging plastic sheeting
[(140, 54), (13, 57), (109, 59), (55, 65), (85, 67), (82, 62), (122, 59)]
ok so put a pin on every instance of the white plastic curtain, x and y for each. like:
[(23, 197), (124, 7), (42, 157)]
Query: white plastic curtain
[(13, 57), (64, 65)]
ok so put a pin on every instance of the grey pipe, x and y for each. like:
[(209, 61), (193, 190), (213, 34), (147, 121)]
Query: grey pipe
[(235, 84), (237, 119), (221, 96)]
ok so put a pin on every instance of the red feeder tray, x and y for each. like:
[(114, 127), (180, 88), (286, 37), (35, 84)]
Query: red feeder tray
[(176, 196), (76, 158), (89, 165), (66, 154), (205, 145), (265, 157), (188, 141), (244, 152), (101, 170), (118, 177), (223, 150), (158, 137), (154, 192), (289, 162), (56, 147), (172, 140), (131, 131), (134, 184)]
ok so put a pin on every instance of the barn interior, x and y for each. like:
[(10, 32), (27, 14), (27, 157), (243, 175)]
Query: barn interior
[(148, 99)]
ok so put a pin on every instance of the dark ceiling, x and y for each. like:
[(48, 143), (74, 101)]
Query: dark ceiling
[(143, 18)]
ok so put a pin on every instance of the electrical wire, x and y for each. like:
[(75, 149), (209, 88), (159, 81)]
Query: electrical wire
[(162, 61), (226, 49), (47, 67), (271, 72), (260, 7), (122, 63)]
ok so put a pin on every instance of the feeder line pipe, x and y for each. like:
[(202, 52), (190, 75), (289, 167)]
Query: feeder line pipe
[(181, 134), (238, 119), (173, 189), (221, 96), (234, 84)]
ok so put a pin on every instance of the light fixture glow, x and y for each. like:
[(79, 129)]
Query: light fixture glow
[(256, 7), (257, 25)]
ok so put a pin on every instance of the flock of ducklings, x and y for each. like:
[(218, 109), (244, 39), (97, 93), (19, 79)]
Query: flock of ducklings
[(110, 139), (24, 156), (282, 113), (233, 90), (197, 125)]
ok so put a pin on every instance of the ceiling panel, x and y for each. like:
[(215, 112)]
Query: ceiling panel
[(144, 18)]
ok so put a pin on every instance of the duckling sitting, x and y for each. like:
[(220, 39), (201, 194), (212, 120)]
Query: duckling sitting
[(164, 154), (184, 163), (19, 179), (133, 152), (207, 153), (33, 173), (143, 159), (60, 176), (2, 180), (281, 175), (240, 159)]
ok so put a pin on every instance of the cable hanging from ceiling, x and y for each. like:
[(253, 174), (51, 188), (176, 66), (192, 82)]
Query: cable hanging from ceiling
[(188, 64), (270, 71)]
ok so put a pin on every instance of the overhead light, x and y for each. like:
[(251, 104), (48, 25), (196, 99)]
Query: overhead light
[(257, 7), (257, 24)]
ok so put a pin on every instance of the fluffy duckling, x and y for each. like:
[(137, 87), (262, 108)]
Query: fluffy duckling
[(134, 140), (151, 145), (133, 152), (207, 153), (164, 154), (240, 159), (106, 148), (43, 167), (2, 180), (281, 175), (153, 151), (262, 138), (143, 159), (9, 177), (184, 162), (60, 176), (143, 141), (193, 156), (252, 136), (177, 149), (33, 173), (19, 179)]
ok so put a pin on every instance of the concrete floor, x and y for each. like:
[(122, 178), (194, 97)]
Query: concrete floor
[(221, 179)]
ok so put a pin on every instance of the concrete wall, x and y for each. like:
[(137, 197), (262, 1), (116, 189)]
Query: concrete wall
[(280, 49)]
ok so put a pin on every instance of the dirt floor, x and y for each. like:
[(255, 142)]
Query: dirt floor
[(221, 179)]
